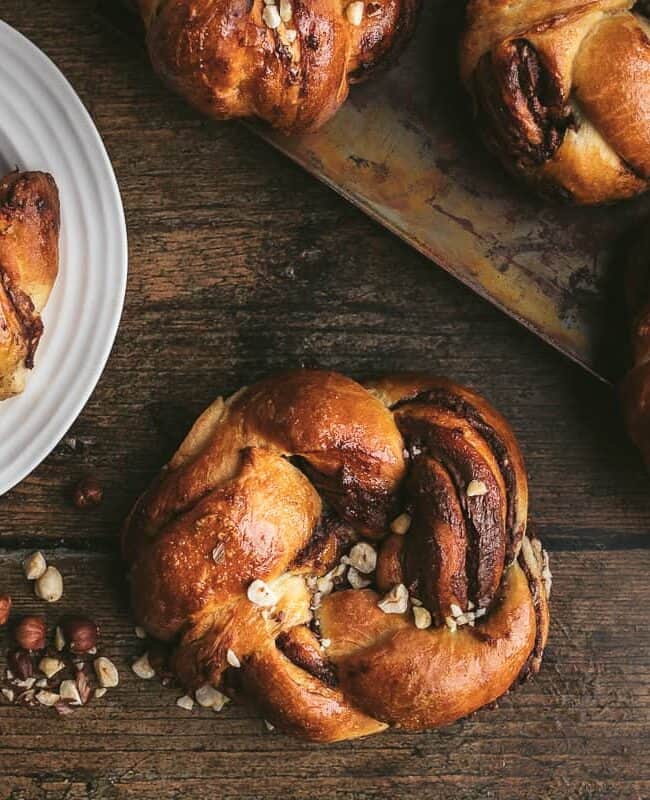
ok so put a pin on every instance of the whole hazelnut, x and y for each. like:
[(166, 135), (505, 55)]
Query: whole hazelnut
[(88, 492), (80, 633), (5, 608), (30, 633), (20, 663)]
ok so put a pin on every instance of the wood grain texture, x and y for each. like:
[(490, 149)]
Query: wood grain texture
[(240, 264)]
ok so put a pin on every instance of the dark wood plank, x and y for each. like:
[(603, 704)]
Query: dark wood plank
[(578, 730), (241, 264)]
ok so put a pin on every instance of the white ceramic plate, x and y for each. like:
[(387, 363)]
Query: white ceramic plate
[(44, 126)]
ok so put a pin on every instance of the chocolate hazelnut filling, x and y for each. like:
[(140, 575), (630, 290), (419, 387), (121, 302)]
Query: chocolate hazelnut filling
[(520, 103), (459, 406), (462, 493), (300, 646), (30, 321)]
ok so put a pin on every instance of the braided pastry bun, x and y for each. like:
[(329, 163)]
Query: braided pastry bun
[(635, 390), (562, 92), (29, 262), (289, 63), (344, 557)]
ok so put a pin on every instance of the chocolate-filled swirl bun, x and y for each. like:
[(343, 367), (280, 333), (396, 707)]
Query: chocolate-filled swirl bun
[(561, 91), (344, 557)]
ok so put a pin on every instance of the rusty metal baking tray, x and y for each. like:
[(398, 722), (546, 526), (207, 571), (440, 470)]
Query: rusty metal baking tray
[(404, 150)]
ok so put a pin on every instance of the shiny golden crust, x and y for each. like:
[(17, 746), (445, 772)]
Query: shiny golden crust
[(227, 62), (29, 258), (635, 390), (562, 92), (275, 486), (435, 676)]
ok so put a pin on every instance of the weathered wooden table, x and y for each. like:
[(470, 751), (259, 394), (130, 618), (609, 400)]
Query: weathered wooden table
[(241, 264)]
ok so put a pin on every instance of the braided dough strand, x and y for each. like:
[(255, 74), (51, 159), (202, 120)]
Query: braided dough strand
[(272, 555)]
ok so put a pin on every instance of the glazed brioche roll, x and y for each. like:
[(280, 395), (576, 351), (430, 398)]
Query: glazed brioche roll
[(344, 557), (561, 90), (289, 63)]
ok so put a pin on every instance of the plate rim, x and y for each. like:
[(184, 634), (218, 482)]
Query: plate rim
[(116, 210)]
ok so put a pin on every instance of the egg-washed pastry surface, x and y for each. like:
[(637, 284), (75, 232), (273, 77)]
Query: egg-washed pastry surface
[(289, 62), (561, 90), (344, 557), (29, 263)]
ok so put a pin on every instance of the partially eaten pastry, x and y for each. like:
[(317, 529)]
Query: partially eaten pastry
[(561, 90), (287, 62), (29, 263), (345, 557)]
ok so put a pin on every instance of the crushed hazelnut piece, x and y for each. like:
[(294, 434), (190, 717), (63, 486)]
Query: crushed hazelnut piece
[(219, 553), (363, 557), (46, 698), (476, 489), (209, 697), (232, 659), (338, 571), (286, 12), (50, 666), (400, 525), (100, 692), (221, 703), (69, 691), (396, 601), (450, 622), (354, 12), (142, 668), (34, 566), (456, 610), (271, 17), (261, 594), (185, 702), (421, 617), (49, 586), (140, 632), (106, 672), (357, 580)]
